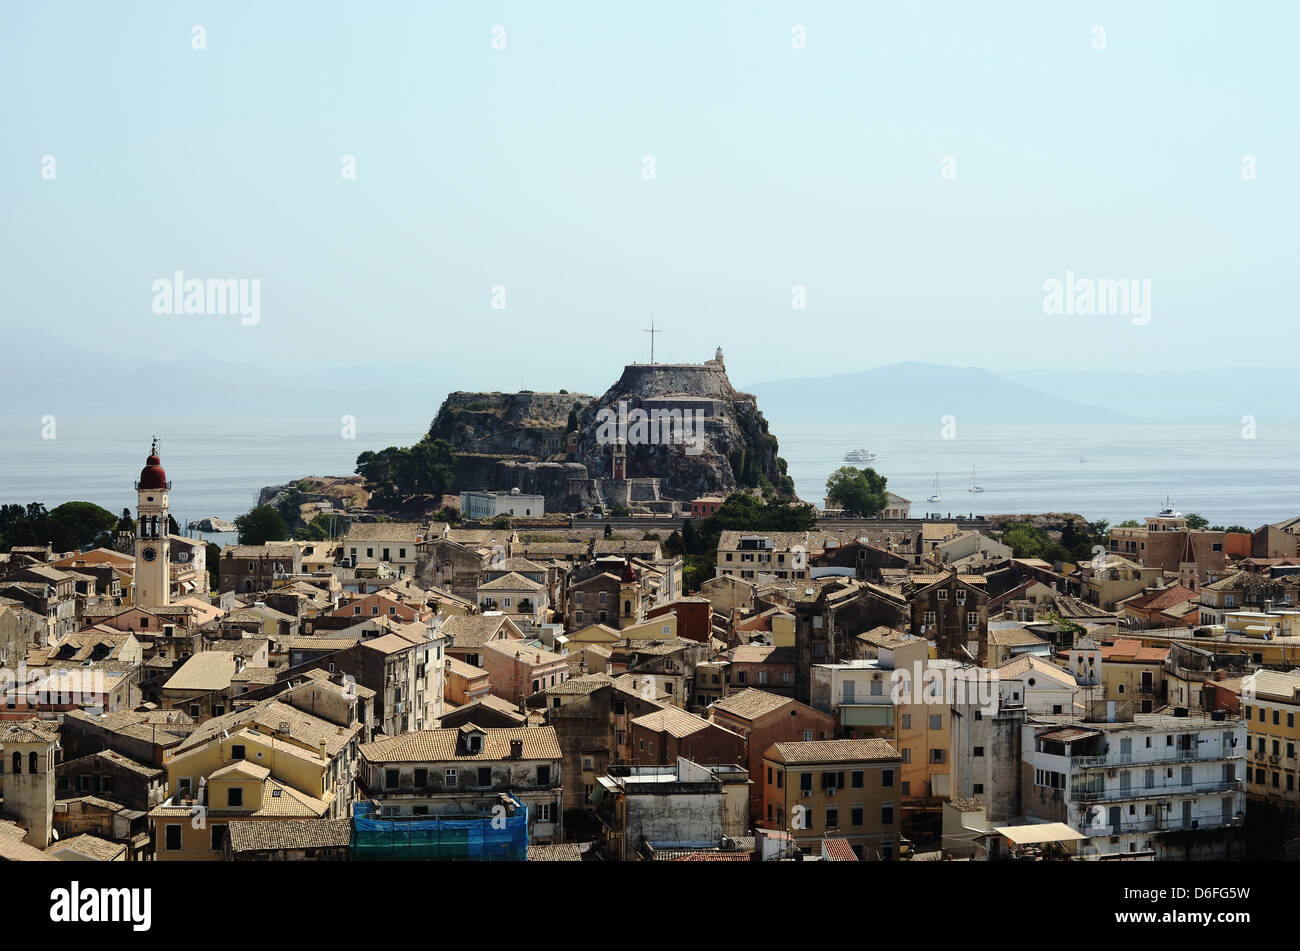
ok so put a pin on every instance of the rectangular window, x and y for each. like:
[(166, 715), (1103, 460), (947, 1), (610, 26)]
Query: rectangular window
[(858, 777), (218, 838), (543, 775), (887, 814), (421, 777), (855, 816), (449, 778), (936, 721), (173, 837), (234, 796)]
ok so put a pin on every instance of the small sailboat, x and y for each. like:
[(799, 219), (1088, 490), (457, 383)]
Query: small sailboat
[(973, 486), (1081, 459), (936, 497)]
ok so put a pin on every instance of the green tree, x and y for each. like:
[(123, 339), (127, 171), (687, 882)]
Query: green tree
[(673, 545), (1242, 529), (860, 492), (1197, 522), (501, 523), (394, 474), (214, 565), (76, 525), (261, 525), (690, 542)]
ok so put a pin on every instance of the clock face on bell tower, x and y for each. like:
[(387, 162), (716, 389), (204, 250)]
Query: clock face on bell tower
[(149, 554)]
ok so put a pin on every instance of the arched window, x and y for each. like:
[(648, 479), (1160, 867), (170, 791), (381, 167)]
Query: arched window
[(18, 763), (31, 762)]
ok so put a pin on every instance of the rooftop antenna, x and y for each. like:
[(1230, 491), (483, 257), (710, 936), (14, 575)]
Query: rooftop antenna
[(652, 333)]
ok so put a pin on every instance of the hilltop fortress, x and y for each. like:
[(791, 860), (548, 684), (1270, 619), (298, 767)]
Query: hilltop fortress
[(665, 433)]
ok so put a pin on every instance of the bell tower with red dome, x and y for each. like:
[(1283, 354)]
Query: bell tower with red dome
[(152, 540)]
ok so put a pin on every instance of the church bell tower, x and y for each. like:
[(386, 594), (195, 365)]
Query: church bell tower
[(152, 540)]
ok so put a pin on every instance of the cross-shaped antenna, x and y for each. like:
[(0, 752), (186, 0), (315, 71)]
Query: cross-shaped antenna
[(652, 333)]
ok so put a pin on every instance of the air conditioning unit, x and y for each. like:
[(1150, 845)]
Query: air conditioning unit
[(830, 791), (1274, 758), (1112, 772)]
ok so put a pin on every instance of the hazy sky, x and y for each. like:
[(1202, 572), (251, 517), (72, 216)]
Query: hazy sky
[(524, 167)]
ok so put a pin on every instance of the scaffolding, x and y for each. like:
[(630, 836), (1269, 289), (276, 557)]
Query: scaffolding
[(429, 839)]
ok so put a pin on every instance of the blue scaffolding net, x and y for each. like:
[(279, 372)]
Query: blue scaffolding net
[(472, 839)]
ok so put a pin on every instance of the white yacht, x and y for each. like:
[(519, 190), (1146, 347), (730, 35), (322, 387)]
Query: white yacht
[(936, 497), (860, 455)]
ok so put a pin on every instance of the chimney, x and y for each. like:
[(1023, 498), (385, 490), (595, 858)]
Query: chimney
[(323, 747), (516, 749)]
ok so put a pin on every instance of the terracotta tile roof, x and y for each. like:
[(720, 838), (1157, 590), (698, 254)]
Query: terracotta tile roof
[(1125, 650), (241, 769), (28, 731), (1019, 666), (462, 669), (273, 834), (886, 637), (426, 746), (714, 857), (1162, 599), (91, 847), (474, 630), (579, 686), (206, 670), (526, 653), (272, 715), (834, 751), (673, 721), (1015, 637), (512, 581), (838, 850), (560, 852), (751, 703), (384, 531), (762, 654)]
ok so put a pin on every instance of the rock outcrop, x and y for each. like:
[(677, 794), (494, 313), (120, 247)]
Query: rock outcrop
[(706, 438), (532, 425)]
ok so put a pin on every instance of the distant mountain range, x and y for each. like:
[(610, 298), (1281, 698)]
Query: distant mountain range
[(922, 392)]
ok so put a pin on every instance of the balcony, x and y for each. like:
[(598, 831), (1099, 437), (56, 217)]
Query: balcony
[(1125, 793), (1167, 755)]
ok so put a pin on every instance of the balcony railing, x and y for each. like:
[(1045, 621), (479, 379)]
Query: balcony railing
[(1161, 791), (1112, 760)]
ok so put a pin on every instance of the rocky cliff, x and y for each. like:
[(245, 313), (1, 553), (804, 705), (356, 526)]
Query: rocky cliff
[(526, 424), (723, 442), (709, 438)]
